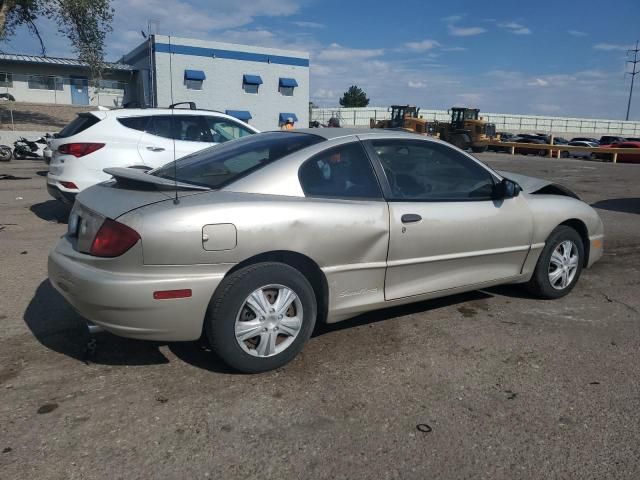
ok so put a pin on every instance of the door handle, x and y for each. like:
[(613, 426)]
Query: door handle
[(155, 149), (410, 218)]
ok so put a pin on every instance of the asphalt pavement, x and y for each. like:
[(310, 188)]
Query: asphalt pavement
[(490, 384)]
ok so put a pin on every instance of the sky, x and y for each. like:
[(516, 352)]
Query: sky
[(561, 58)]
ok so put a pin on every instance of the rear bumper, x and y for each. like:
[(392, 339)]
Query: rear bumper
[(123, 304), (65, 197)]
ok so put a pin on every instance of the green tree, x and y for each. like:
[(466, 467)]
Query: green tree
[(354, 97), (85, 23)]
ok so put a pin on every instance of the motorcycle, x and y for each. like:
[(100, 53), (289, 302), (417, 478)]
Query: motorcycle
[(5, 153), (24, 148)]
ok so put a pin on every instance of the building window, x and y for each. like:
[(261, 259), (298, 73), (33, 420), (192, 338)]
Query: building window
[(193, 79), (251, 83), (111, 85), (6, 79), (286, 86), (40, 82)]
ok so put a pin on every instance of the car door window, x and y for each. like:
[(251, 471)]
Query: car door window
[(342, 172), (429, 171), (223, 130), (188, 128)]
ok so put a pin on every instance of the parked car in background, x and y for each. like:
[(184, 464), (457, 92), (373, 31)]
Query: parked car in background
[(623, 157), (585, 139), (248, 256), (143, 138), (505, 137), (632, 139), (580, 143), (610, 140), (533, 140)]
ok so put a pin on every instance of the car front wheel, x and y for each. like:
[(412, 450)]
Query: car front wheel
[(261, 316), (559, 265)]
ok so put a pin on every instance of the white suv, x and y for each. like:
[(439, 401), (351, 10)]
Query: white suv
[(142, 138)]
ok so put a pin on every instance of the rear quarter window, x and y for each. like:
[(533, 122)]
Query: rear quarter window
[(135, 123), (82, 122)]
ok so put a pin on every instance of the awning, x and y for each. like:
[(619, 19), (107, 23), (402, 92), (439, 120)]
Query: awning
[(194, 75), (243, 115), (288, 82), (284, 116), (252, 79)]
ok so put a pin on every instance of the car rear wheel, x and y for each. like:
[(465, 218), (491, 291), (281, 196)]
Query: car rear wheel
[(559, 265), (261, 316)]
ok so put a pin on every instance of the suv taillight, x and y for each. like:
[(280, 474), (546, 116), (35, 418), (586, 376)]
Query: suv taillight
[(79, 149), (113, 239)]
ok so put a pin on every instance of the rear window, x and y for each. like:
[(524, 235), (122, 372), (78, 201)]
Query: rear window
[(135, 123), (79, 124), (222, 164)]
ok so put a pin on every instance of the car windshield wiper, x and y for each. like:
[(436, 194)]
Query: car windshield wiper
[(134, 175)]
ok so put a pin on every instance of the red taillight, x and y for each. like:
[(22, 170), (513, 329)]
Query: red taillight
[(169, 294), (113, 239), (79, 149), (69, 185)]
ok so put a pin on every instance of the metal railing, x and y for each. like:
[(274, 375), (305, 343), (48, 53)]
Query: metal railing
[(359, 117)]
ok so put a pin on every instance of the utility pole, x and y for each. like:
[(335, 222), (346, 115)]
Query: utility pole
[(633, 73)]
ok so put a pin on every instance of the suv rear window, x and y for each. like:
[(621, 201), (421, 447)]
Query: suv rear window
[(135, 123), (217, 166), (79, 124)]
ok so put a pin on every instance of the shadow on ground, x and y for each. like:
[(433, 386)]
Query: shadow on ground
[(58, 327), (51, 211), (625, 205)]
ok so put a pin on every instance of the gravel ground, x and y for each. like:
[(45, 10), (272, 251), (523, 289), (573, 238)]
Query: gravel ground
[(510, 387)]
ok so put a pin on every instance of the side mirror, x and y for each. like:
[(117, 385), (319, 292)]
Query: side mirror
[(507, 189)]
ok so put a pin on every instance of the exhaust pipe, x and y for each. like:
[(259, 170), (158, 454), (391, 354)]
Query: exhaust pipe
[(93, 328)]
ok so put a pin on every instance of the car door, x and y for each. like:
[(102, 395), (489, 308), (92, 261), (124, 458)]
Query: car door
[(446, 229), (169, 137)]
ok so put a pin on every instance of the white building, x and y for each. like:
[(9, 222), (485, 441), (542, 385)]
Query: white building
[(30, 78), (263, 86)]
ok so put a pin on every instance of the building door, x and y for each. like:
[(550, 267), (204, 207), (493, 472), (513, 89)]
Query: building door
[(79, 91)]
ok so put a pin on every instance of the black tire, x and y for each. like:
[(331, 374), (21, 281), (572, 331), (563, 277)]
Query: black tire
[(540, 285), (17, 155), (479, 149), (5, 155), (542, 153), (228, 301)]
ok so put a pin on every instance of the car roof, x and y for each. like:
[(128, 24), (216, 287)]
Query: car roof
[(129, 112)]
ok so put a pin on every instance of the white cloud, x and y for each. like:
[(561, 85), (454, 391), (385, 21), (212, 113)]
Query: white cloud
[(454, 49), (577, 33), (452, 19), (465, 31), (416, 84), (336, 52), (515, 28), (538, 82), (423, 45), (309, 24), (610, 46)]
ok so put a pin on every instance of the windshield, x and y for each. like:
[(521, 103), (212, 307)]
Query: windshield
[(222, 164)]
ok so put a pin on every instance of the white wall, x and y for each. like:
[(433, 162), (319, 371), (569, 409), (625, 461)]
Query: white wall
[(22, 93), (504, 121), (222, 89)]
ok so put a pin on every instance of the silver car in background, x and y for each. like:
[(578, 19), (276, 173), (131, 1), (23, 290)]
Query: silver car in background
[(252, 242)]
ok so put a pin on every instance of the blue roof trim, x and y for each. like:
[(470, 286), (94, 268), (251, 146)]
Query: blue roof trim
[(194, 75), (288, 82), (231, 54), (285, 115), (243, 115), (252, 79)]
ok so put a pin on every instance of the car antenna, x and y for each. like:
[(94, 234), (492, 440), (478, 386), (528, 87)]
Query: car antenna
[(176, 201)]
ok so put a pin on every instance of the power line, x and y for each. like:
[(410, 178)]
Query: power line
[(633, 73)]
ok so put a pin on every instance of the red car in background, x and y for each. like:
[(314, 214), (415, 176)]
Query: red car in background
[(623, 157)]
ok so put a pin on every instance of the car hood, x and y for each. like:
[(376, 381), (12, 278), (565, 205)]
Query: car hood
[(538, 185)]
